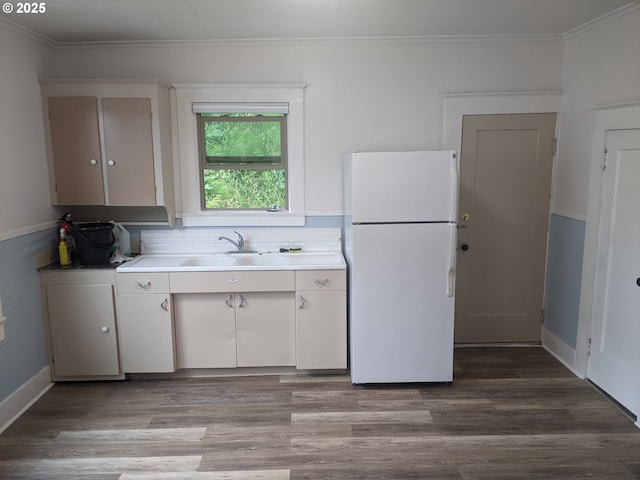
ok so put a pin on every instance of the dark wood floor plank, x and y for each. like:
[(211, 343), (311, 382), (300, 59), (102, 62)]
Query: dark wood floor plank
[(511, 413)]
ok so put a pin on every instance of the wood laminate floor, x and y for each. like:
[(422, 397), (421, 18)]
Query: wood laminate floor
[(511, 413)]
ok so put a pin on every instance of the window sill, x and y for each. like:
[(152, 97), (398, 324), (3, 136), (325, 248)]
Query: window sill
[(243, 219)]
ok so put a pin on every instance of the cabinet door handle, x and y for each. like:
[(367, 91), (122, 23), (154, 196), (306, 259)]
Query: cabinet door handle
[(93, 161), (165, 304), (104, 329), (242, 301), (321, 283), (111, 163), (228, 301), (144, 285), (301, 301)]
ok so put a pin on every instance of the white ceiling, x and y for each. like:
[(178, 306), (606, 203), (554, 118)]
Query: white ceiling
[(79, 21)]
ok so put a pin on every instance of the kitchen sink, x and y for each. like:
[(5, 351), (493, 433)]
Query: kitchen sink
[(236, 261), (208, 260)]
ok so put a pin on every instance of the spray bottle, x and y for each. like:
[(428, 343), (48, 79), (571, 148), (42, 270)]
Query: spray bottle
[(63, 250)]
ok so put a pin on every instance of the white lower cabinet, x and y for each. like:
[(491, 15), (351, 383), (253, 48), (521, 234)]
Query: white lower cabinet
[(145, 323), (265, 329), (80, 322), (321, 330), (165, 321), (321, 322), (83, 333), (146, 333), (226, 330), (205, 330)]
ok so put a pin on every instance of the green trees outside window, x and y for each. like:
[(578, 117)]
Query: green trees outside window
[(243, 161)]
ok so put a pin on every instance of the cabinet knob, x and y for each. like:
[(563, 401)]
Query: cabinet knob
[(111, 163), (93, 161), (104, 329)]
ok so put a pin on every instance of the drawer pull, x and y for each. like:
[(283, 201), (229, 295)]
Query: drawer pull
[(301, 301), (144, 285), (321, 283), (233, 280), (164, 305), (228, 301)]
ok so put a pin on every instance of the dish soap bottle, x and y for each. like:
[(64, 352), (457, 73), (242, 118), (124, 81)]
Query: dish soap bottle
[(63, 250)]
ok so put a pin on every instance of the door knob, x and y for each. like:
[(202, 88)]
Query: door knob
[(464, 247), (638, 281)]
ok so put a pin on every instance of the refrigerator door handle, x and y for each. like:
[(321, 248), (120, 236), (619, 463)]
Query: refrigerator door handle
[(455, 185), (451, 274)]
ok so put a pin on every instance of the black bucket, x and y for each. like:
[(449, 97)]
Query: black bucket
[(94, 242)]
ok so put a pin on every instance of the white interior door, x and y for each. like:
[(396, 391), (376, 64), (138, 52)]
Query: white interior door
[(614, 361)]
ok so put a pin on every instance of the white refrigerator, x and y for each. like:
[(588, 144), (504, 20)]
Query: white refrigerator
[(400, 244)]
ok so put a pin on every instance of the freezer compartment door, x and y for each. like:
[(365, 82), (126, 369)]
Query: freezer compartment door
[(404, 187), (402, 303)]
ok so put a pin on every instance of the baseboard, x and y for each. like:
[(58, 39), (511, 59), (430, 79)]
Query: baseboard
[(564, 353), (19, 401)]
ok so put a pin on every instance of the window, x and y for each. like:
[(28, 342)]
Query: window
[(243, 159), (234, 105)]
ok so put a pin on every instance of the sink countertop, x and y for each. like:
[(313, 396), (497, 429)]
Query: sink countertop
[(316, 260)]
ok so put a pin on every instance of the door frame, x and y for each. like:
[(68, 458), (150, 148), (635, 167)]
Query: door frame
[(457, 105), (621, 116)]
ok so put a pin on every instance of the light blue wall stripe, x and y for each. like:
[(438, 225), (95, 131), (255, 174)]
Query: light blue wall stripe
[(564, 272), (23, 353)]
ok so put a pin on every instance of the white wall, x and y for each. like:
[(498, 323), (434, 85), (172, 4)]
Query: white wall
[(601, 66), (360, 95), (24, 209), (24, 184)]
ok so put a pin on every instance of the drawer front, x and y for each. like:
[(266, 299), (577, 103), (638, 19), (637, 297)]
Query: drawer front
[(321, 280), (143, 282), (261, 281)]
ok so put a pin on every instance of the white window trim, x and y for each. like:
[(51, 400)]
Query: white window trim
[(186, 160)]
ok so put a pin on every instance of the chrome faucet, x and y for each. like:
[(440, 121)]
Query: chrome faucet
[(238, 244)]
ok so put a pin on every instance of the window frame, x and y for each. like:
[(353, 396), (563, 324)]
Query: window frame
[(202, 154), (187, 162)]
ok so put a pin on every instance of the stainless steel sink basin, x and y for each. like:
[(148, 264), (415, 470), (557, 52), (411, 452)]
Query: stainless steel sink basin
[(209, 260)]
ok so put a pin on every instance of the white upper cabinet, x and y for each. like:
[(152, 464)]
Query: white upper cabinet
[(108, 143)]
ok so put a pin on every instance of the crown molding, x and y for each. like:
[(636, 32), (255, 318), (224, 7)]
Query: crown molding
[(25, 32), (607, 17)]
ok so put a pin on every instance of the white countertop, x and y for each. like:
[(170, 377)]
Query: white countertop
[(232, 262), (201, 250)]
